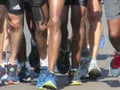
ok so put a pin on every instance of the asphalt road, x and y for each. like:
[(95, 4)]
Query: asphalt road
[(104, 82)]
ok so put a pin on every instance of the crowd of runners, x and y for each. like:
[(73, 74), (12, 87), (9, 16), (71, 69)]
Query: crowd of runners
[(51, 48)]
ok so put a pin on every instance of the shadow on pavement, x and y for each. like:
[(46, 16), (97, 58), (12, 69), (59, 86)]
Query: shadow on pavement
[(62, 81), (104, 73), (104, 56), (112, 83)]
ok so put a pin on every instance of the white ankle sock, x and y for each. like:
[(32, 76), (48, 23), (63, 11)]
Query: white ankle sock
[(44, 62)]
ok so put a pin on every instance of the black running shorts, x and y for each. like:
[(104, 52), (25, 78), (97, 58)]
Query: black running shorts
[(15, 6), (76, 2), (2, 2)]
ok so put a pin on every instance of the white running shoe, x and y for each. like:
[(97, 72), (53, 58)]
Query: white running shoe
[(94, 71)]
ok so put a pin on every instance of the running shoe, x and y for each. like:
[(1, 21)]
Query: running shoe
[(115, 65), (12, 72), (102, 43), (46, 80), (84, 65), (34, 55), (3, 74), (94, 71), (24, 74), (73, 77), (86, 53), (63, 62)]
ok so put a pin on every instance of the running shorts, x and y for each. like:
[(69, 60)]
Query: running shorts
[(37, 3), (76, 2), (112, 9), (2, 1), (15, 6)]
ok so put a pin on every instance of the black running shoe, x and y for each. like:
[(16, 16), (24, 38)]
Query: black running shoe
[(34, 55), (63, 62)]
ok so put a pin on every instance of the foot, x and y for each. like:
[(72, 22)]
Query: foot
[(63, 62), (3, 74), (115, 65), (12, 72), (73, 77), (46, 79), (24, 74), (84, 65), (94, 71), (34, 55)]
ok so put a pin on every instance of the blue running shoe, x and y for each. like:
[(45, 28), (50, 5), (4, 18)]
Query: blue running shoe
[(73, 77), (34, 55), (63, 62), (12, 72), (24, 74), (46, 80), (2, 74), (102, 43)]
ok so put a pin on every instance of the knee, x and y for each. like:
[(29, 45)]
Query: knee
[(54, 23), (41, 27), (114, 34), (15, 23), (95, 17)]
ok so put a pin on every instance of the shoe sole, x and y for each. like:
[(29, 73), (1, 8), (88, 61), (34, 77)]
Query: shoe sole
[(28, 79), (11, 82), (41, 89), (94, 74), (75, 83), (50, 85)]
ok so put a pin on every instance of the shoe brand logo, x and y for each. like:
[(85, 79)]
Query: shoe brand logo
[(17, 7)]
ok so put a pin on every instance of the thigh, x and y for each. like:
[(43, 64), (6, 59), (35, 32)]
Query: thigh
[(94, 10), (55, 7), (94, 6), (2, 11), (79, 2)]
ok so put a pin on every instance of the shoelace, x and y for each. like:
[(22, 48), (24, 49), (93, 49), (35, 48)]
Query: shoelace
[(43, 74)]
